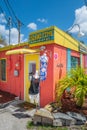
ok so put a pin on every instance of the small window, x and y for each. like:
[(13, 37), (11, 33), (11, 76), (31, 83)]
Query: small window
[(3, 69), (74, 61)]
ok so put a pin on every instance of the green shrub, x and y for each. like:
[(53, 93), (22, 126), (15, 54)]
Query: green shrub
[(75, 78)]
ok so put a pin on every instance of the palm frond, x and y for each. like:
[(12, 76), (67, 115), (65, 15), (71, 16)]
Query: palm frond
[(74, 78)]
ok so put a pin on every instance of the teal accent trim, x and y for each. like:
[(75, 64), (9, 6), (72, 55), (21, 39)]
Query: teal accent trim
[(68, 59)]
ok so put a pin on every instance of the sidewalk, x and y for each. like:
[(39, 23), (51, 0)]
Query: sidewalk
[(13, 117)]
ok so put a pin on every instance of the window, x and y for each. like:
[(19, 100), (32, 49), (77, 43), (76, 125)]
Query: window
[(74, 61), (32, 68), (3, 69)]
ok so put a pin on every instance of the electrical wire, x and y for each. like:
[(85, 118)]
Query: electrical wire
[(85, 1), (5, 1), (3, 13), (12, 19), (10, 7)]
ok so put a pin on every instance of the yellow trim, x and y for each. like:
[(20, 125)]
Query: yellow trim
[(60, 38), (64, 39), (20, 51), (42, 43), (14, 46), (29, 58)]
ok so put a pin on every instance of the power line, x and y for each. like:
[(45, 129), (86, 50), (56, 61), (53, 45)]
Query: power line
[(3, 13), (85, 1), (18, 21), (12, 13)]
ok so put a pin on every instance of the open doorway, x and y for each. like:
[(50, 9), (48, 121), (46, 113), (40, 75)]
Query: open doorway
[(32, 64)]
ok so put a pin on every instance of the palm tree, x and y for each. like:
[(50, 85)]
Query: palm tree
[(76, 78)]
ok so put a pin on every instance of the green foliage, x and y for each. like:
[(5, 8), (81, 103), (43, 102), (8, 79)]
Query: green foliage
[(75, 78), (31, 126)]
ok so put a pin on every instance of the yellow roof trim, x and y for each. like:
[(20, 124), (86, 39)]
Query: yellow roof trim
[(14, 46), (21, 51), (42, 43)]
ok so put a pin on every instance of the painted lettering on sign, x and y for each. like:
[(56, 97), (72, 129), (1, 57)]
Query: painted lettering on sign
[(46, 35)]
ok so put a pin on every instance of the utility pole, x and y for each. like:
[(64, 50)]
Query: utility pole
[(19, 25), (9, 24)]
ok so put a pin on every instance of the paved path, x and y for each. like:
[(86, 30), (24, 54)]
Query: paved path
[(13, 118), (9, 122)]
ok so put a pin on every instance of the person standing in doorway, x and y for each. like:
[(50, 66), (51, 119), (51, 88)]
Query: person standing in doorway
[(34, 88)]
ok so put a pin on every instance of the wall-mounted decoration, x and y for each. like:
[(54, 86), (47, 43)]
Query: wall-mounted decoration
[(16, 73), (60, 65), (43, 66), (56, 56)]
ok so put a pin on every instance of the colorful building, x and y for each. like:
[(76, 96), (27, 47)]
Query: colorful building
[(17, 62)]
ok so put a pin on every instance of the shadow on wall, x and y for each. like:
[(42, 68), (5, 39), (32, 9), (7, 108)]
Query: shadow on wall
[(60, 73)]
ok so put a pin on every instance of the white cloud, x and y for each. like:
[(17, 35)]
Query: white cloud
[(4, 32), (81, 20), (2, 18), (42, 20), (32, 26), (13, 35)]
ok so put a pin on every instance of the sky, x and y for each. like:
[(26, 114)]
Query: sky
[(39, 14)]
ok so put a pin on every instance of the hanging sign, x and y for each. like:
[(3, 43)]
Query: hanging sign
[(42, 36)]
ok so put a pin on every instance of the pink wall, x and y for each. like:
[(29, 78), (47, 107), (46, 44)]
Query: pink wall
[(85, 62)]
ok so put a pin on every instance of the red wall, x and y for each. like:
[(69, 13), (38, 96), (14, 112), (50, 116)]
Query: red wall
[(75, 54), (54, 73), (60, 63), (46, 86), (13, 84)]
